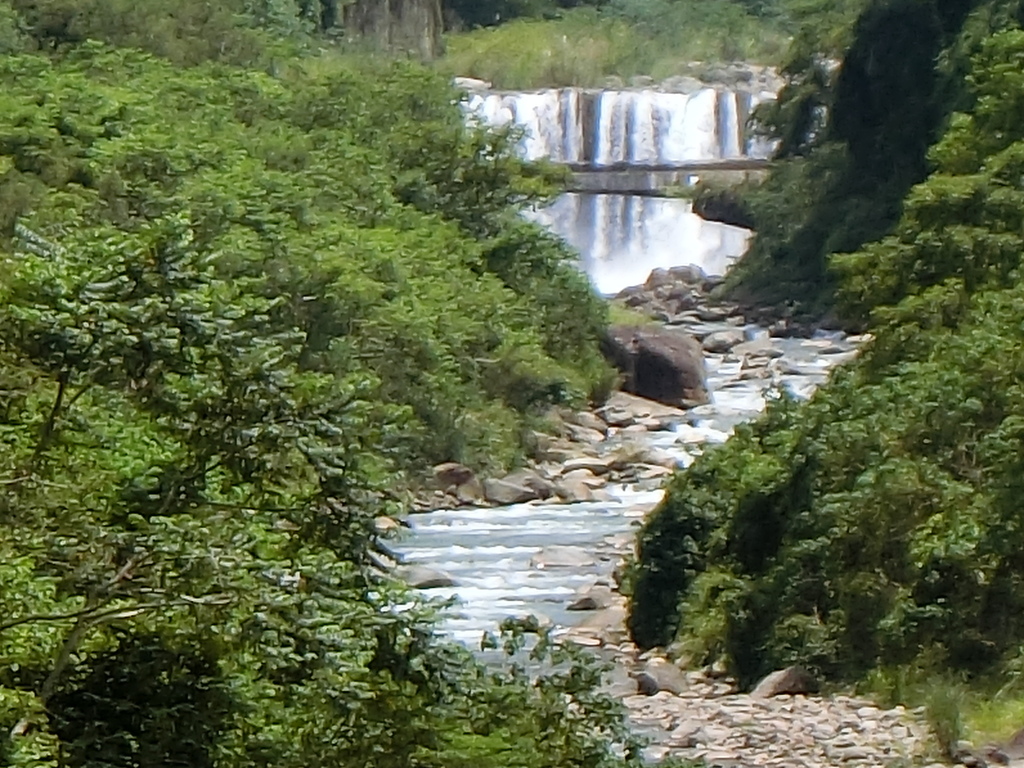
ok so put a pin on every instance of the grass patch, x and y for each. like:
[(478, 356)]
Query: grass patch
[(994, 720), (981, 712), (586, 47)]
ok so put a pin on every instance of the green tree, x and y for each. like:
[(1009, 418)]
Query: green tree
[(879, 524)]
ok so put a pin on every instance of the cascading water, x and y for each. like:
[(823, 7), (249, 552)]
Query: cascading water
[(621, 238), (637, 127)]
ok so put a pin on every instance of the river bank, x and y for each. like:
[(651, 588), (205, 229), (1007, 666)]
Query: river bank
[(557, 555)]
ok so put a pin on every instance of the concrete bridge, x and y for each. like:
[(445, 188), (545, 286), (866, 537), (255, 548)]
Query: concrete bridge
[(658, 180)]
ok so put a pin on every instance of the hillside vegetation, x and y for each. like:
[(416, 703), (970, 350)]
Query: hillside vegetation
[(238, 307), (876, 531), (533, 45)]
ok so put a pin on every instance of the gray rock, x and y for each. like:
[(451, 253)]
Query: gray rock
[(533, 480), (653, 472), (584, 435), (422, 577), (574, 490), (722, 341), (662, 675), (631, 408), (849, 754), (384, 525), (586, 477), (792, 680), (592, 598), (504, 492), (588, 420), (757, 348), (689, 274), (471, 492), (452, 473), (593, 464), (713, 314), (646, 684), (609, 622), (554, 449), (686, 734), (619, 683), (618, 417), (658, 363), (562, 557), (681, 84)]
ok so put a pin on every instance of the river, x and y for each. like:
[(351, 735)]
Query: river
[(492, 554)]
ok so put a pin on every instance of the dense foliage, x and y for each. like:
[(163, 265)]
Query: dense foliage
[(236, 308), (382, 232), (597, 42), (854, 139), (880, 524)]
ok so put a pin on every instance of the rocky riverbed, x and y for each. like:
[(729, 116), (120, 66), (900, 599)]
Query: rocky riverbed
[(549, 540)]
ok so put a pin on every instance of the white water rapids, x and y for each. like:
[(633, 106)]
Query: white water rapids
[(489, 551), (621, 239)]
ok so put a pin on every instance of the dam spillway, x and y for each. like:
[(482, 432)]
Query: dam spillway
[(622, 145), (649, 127)]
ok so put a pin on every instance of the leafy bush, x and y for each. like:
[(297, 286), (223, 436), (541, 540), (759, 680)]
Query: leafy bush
[(879, 524), (853, 141), (587, 46), (385, 234), (233, 308)]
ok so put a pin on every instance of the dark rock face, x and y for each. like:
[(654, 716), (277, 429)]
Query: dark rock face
[(658, 363)]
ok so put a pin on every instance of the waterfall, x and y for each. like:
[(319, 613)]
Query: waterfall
[(637, 127), (621, 238)]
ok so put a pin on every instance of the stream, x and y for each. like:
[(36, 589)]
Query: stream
[(492, 553)]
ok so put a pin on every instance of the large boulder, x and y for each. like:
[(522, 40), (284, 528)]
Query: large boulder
[(452, 473), (505, 492), (661, 675), (793, 680), (422, 577), (658, 363)]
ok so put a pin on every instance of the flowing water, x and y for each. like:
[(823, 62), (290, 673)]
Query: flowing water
[(640, 126), (490, 552), (621, 238)]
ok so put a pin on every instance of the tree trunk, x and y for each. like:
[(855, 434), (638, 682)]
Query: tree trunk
[(409, 26)]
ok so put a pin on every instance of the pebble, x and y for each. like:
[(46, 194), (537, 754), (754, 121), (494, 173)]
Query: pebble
[(721, 728)]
